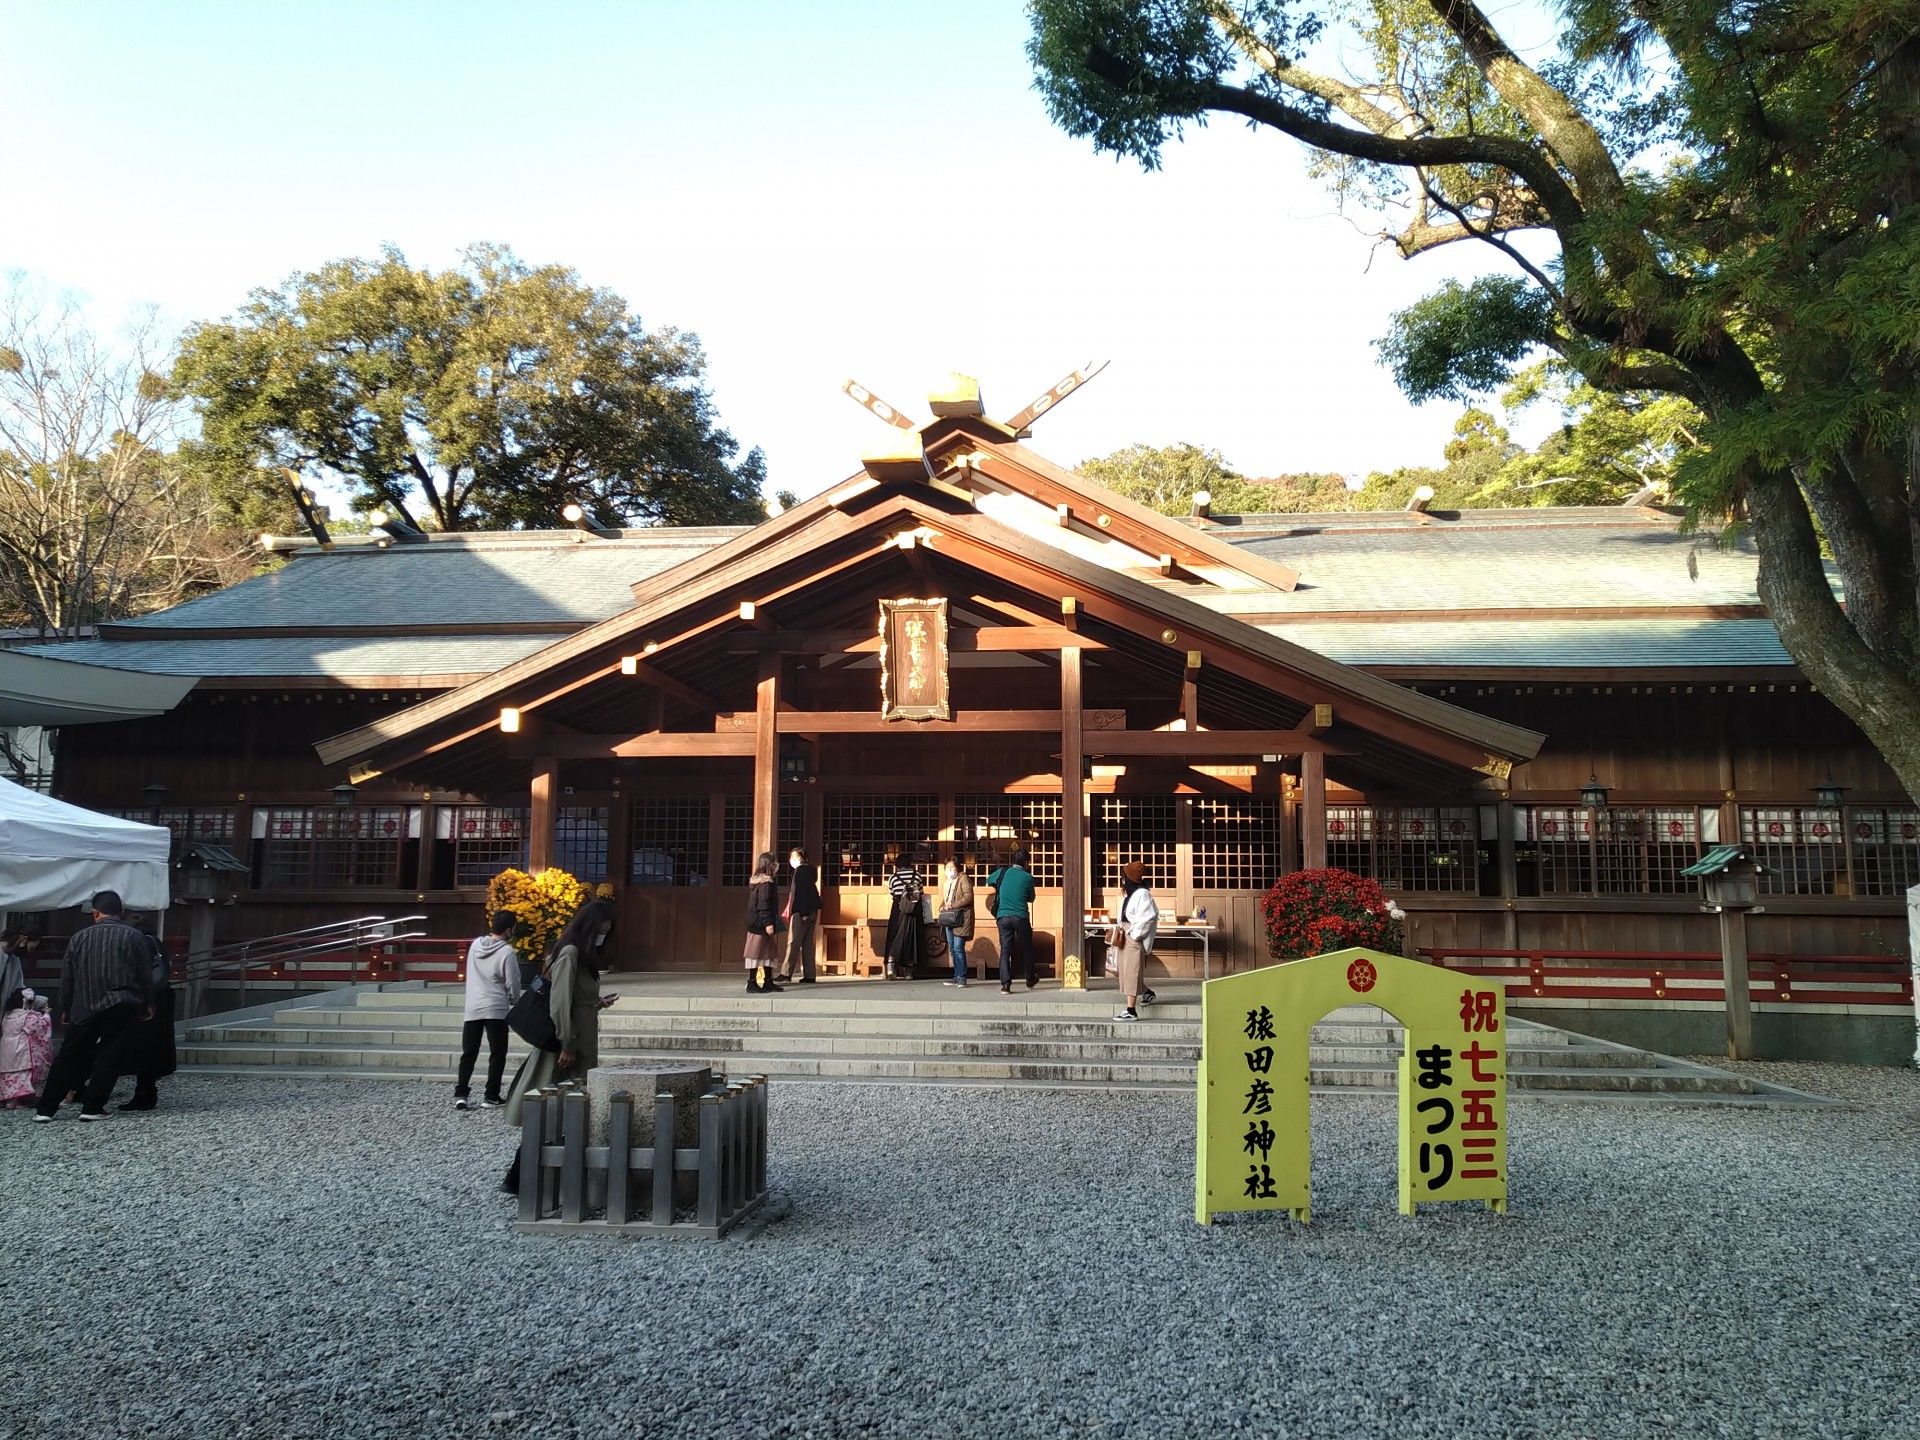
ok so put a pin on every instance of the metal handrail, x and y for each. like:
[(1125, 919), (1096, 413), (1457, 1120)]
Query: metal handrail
[(285, 937), (207, 965)]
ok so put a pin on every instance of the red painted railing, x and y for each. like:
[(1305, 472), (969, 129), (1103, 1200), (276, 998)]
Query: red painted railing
[(1685, 975)]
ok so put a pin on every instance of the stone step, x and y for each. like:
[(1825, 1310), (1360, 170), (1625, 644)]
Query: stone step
[(1333, 1072), (1095, 1027)]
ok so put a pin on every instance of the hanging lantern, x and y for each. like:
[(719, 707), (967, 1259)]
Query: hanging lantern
[(1829, 794), (1593, 794)]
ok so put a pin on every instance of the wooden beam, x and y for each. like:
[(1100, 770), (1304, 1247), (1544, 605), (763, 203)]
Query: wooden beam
[(1318, 720), (540, 813), (1313, 811), (650, 745), (1073, 876), (973, 722), (766, 754), (660, 680), (750, 613), (1190, 692), (960, 641), (1202, 744)]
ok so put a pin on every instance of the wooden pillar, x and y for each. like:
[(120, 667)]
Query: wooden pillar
[(1509, 879), (429, 842), (766, 756), (1313, 811), (1073, 812), (1289, 826), (619, 837), (540, 814), (1733, 978)]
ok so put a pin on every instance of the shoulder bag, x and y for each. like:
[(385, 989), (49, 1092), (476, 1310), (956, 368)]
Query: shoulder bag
[(531, 1017)]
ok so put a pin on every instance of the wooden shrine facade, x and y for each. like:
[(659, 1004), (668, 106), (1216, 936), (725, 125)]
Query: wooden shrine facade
[(1110, 688)]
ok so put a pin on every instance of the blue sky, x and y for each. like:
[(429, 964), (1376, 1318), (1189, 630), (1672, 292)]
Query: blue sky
[(818, 190)]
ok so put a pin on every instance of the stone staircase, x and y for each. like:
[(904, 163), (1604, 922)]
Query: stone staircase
[(908, 1033)]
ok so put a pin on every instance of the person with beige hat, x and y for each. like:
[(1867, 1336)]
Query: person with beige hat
[(1139, 926)]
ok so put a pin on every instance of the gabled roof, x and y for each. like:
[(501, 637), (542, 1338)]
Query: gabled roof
[(1396, 730)]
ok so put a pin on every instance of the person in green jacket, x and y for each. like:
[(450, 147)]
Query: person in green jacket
[(1012, 886)]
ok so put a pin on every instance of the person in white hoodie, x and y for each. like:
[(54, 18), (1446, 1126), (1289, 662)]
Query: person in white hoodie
[(1140, 926), (493, 984)]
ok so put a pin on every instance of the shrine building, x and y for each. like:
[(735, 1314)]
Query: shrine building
[(965, 646)]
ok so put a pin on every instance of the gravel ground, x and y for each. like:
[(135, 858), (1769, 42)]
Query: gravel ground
[(282, 1258)]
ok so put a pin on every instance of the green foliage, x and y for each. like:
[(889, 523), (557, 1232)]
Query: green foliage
[(1713, 203), (1166, 478), (1465, 340), (494, 394)]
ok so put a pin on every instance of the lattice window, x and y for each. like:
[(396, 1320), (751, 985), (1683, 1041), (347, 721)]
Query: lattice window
[(736, 836), (207, 824), (1886, 849), (863, 832), (1412, 848), (1558, 841), (332, 847), (580, 842), (486, 839), (1621, 850), (988, 826), (1236, 843), (1800, 846), (669, 838), (1143, 828), (1350, 839)]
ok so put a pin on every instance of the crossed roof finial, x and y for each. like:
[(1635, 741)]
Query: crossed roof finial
[(961, 396)]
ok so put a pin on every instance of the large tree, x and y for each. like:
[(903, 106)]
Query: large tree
[(1707, 199), (102, 514), (492, 394)]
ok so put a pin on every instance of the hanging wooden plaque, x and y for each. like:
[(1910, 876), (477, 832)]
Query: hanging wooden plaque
[(913, 660)]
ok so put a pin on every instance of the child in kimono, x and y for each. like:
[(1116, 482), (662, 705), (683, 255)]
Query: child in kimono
[(26, 1050)]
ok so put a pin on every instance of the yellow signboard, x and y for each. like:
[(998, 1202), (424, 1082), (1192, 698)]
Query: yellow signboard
[(1255, 1151)]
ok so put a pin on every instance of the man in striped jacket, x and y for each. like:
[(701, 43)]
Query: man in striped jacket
[(106, 987)]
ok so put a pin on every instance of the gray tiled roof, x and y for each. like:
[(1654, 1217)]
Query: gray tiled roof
[(1570, 644), (285, 655), (447, 582), (1493, 560), (1589, 559)]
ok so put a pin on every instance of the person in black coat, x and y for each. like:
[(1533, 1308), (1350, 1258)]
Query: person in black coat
[(903, 921), (803, 912), (147, 1053), (763, 920)]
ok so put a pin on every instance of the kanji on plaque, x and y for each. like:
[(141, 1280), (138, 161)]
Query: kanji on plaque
[(1254, 1150)]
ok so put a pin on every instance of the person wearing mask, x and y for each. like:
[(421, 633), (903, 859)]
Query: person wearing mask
[(763, 924), (493, 984), (572, 968), (106, 987), (903, 921), (1139, 926), (803, 912), (956, 919), (1012, 886)]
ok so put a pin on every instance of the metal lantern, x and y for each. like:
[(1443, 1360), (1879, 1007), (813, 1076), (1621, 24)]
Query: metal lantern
[(1593, 794), (1729, 878), (155, 795), (1830, 794), (344, 794)]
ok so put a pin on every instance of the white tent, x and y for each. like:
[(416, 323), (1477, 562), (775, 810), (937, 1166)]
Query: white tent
[(53, 855)]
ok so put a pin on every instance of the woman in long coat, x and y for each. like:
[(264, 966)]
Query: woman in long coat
[(903, 921), (956, 918), (573, 970), (762, 947)]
